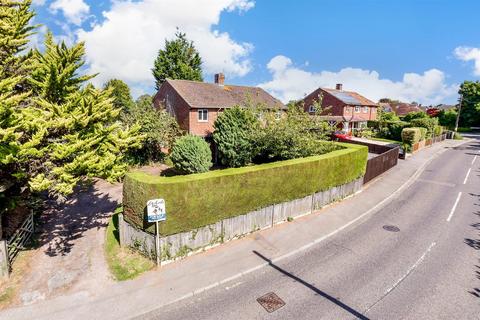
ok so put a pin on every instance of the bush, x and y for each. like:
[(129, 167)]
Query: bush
[(423, 133), (392, 129), (457, 136), (410, 136), (437, 131), (194, 201), (414, 115), (191, 154), (447, 118), (427, 123), (295, 135), (233, 135)]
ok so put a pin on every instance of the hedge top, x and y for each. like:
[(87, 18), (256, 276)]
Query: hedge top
[(151, 179)]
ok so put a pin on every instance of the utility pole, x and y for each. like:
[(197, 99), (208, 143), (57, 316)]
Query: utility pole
[(458, 114)]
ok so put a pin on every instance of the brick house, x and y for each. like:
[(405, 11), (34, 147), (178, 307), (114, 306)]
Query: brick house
[(349, 110), (196, 105)]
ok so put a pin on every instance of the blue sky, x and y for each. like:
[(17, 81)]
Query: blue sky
[(410, 50)]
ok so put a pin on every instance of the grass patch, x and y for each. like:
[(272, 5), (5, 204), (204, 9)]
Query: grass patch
[(123, 263)]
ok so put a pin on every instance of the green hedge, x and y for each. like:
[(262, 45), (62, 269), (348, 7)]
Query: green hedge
[(197, 200), (410, 136)]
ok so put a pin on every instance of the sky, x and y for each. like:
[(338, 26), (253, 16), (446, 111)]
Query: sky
[(410, 50)]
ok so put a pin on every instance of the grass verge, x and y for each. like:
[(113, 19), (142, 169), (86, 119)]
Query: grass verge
[(124, 264)]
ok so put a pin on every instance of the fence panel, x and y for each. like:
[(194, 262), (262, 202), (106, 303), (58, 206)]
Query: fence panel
[(381, 163), (18, 240)]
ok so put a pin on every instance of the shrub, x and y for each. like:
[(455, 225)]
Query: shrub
[(423, 133), (447, 118), (191, 154), (457, 136), (427, 123), (194, 201), (391, 129), (437, 131), (410, 136), (414, 115), (233, 136)]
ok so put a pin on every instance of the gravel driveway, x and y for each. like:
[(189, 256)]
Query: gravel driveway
[(70, 256)]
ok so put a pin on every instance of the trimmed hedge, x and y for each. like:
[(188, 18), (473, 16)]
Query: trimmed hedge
[(410, 136), (197, 200)]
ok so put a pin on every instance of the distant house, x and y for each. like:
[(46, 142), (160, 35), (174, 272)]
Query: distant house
[(196, 105), (400, 108), (349, 110)]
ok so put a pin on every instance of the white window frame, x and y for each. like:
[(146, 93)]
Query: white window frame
[(365, 109), (202, 115), (311, 109), (357, 109)]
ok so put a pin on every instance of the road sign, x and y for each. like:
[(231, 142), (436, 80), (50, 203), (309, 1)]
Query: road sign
[(156, 210)]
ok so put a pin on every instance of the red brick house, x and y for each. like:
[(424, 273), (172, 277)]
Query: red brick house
[(349, 110), (196, 105)]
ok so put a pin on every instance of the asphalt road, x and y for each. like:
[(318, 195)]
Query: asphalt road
[(427, 269)]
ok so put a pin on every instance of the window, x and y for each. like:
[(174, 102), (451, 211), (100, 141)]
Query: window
[(365, 109), (278, 115), (357, 109), (202, 115), (311, 109)]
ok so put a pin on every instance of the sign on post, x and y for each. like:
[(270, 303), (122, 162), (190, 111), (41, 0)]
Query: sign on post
[(156, 210), (155, 213)]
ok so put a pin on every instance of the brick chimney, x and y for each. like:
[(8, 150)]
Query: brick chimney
[(220, 79), (339, 86)]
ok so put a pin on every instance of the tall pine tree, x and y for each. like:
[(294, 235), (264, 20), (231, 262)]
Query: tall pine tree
[(179, 60)]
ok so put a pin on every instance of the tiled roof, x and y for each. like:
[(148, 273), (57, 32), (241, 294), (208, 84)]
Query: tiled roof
[(342, 118), (402, 109), (210, 95), (350, 97)]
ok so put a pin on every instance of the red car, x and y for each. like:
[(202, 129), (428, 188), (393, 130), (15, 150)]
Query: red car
[(341, 135)]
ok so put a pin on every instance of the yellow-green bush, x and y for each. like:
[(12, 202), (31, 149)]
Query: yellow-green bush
[(410, 136), (197, 200)]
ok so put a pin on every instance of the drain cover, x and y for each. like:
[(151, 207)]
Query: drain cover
[(271, 302), (391, 228)]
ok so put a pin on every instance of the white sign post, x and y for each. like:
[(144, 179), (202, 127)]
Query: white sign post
[(155, 213)]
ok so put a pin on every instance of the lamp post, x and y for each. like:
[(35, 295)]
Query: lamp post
[(458, 113)]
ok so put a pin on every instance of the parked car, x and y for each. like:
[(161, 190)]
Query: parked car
[(341, 135)]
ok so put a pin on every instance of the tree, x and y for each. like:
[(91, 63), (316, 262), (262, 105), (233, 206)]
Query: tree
[(122, 98), (470, 113), (158, 127), (179, 60), (414, 115), (233, 136), (15, 28), (191, 154)]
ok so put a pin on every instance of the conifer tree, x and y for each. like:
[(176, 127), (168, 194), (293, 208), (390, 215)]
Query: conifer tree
[(179, 60)]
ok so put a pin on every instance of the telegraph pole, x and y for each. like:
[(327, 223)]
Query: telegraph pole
[(458, 113)]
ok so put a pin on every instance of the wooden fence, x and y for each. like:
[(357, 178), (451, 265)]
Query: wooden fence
[(428, 142), (381, 163), (18, 240)]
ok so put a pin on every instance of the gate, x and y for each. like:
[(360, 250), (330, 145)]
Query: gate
[(18, 240)]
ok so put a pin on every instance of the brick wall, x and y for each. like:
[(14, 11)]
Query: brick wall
[(200, 128), (174, 104)]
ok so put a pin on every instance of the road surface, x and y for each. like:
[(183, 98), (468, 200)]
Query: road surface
[(417, 258)]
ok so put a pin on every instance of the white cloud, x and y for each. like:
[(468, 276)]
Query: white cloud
[(469, 54), (126, 43), (38, 2), (289, 82), (74, 10)]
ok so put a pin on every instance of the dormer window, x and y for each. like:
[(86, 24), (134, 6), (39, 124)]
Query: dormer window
[(357, 109)]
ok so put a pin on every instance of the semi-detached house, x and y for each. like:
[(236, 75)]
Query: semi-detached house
[(349, 110), (196, 105)]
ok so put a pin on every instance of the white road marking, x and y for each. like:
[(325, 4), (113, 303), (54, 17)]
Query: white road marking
[(415, 265), (474, 158), (454, 207), (466, 177)]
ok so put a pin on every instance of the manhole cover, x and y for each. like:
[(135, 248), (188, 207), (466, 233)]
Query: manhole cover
[(271, 302), (391, 228)]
